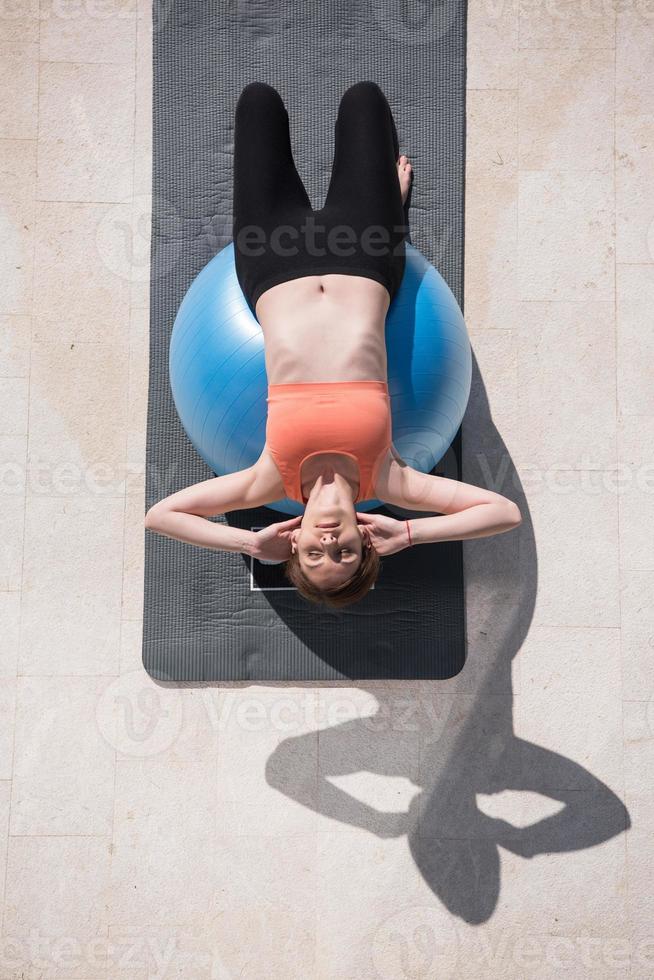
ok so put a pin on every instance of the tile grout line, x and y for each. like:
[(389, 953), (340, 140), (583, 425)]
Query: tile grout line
[(3, 896), (616, 354), (87, 203), (515, 669), (138, 308), (112, 835), (516, 334), (85, 64), (84, 836)]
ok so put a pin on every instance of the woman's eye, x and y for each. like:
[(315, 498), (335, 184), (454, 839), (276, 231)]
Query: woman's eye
[(318, 554)]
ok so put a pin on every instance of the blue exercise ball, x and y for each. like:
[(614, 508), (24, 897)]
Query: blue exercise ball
[(219, 384)]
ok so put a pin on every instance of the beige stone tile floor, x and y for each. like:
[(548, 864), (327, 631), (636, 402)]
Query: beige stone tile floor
[(468, 828)]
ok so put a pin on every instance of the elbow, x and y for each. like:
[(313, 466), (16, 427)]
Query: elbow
[(513, 515), (153, 518)]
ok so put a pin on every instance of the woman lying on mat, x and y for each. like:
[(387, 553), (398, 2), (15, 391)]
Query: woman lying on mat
[(322, 313)]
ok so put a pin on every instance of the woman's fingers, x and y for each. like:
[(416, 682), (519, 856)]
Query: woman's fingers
[(292, 520)]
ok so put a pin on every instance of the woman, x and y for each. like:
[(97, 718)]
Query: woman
[(320, 283)]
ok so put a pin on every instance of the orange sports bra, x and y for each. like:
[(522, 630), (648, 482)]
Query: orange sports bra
[(309, 418)]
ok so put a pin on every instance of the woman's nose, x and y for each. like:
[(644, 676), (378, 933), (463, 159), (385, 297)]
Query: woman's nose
[(327, 538)]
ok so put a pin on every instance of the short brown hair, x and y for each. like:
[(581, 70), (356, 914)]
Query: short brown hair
[(358, 585)]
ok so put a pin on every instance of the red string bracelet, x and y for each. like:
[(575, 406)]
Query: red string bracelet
[(408, 531)]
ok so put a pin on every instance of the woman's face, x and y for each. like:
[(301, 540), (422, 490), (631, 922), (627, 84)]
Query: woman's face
[(329, 555), (329, 542)]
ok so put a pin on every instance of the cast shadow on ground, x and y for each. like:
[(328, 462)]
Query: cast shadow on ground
[(461, 741)]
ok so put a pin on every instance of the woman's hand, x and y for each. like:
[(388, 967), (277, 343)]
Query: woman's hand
[(273, 543), (386, 534)]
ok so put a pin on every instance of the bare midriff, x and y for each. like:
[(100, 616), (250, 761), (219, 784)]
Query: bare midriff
[(324, 328)]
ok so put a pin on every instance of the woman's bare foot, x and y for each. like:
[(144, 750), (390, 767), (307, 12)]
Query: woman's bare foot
[(404, 172)]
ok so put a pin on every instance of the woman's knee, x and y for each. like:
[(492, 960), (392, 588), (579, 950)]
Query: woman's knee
[(259, 96), (365, 94)]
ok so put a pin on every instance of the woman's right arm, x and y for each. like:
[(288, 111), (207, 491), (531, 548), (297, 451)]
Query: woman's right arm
[(464, 510), (390, 535)]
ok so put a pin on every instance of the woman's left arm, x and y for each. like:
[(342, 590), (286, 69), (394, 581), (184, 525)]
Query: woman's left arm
[(183, 515)]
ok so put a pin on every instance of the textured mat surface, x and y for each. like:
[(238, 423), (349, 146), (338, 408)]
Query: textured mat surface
[(217, 615)]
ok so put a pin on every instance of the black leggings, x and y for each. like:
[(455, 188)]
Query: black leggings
[(362, 227)]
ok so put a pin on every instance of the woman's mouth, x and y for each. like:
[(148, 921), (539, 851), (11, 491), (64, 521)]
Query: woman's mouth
[(328, 524)]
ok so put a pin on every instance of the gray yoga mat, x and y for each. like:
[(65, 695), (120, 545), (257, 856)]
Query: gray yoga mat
[(210, 615)]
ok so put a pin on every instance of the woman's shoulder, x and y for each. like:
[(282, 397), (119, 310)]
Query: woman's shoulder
[(268, 476), (390, 482)]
